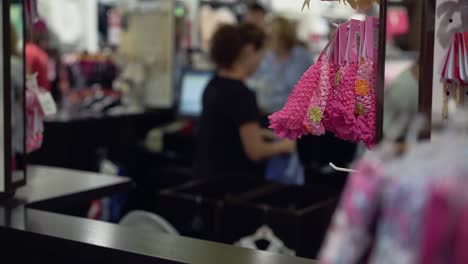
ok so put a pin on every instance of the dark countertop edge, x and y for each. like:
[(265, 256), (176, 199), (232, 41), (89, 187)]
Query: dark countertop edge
[(74, 250), (116, 241), (161, 247)]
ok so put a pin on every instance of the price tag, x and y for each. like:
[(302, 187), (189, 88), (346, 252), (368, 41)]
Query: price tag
[(47, 103)]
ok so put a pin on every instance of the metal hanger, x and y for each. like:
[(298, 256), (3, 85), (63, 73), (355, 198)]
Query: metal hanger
[(306, 4), (340, 168)]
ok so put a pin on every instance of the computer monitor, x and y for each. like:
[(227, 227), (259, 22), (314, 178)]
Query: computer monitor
[(193, 85)]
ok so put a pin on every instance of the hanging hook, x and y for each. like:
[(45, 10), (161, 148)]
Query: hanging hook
[(306, 4), (340, 169)]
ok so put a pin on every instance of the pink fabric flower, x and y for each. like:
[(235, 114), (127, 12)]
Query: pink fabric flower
[(288, 122)]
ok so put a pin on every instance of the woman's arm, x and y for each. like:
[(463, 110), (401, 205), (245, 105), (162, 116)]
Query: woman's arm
[(269, 135), (256, 148)]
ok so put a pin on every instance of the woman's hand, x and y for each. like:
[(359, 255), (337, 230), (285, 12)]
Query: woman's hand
[(287, 146), (256, 148), (269, 135)]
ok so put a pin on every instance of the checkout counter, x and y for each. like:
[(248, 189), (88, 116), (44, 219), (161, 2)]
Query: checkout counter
[(32, 230), (164, 184)]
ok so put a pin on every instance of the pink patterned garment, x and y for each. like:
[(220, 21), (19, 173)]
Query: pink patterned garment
[(435, 229), (349, 235), (446, 218), (335, 73), (288, 122), (340, 117), (365, 108), (460, 255), (336, 98), (318, 102)]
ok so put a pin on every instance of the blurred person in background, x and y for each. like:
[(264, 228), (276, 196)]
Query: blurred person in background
[(282, 66), (401, 97), (256, 14), (37, 60), (230, 141)]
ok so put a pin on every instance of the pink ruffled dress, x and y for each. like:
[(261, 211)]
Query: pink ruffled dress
[(365, 109), (349, 234), (288, 122), (340, 117), (313, 120), (351, 110), (334, 98)]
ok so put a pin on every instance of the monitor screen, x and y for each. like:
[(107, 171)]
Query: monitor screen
[(191, 94)]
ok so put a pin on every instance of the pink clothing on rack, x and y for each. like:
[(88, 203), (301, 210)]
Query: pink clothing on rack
[(399, 228), (349, 236), (446, 230), (365, 108), (338, 93), (340, 117), (288, 122), (318, 102), (335, 74), (437, 221), (460, 255)]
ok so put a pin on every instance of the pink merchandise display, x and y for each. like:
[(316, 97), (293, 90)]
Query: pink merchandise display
[(316, 110), (366, 95), (338, 93), (288, 122)]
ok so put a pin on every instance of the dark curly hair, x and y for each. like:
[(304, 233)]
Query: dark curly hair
[(229, 40)]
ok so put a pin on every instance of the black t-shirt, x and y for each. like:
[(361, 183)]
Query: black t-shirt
[(227, 105)]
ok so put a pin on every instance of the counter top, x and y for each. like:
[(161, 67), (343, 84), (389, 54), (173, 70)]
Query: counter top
[(48, 183), (25, 224), (90, 116), (160, 246)]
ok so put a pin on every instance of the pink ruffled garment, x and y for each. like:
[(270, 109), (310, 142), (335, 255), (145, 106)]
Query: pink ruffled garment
[(318, 102), (365, 109), (460, 255), (350, 233), (340, 118), (332, 95), (446, 216), (288, 122)]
